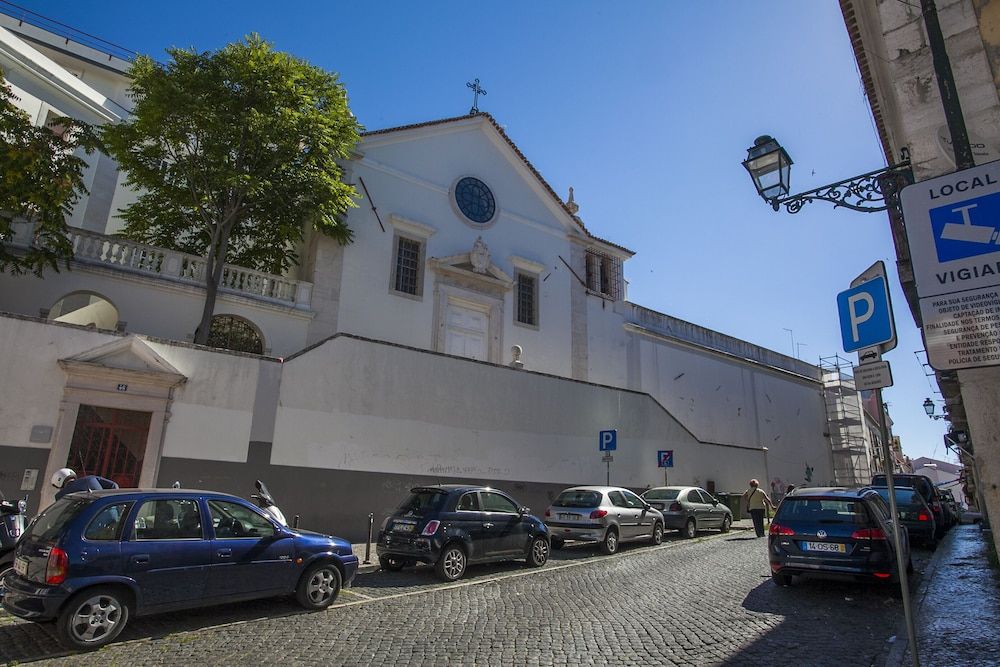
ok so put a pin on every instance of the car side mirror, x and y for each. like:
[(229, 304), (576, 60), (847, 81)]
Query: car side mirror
[(523, 510), (715, 501)]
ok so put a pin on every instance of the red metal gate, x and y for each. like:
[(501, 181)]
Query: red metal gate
[(110, 443)]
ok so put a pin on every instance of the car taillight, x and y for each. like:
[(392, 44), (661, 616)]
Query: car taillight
[(882, 575), (57, 566), (548, 513), (598, 514), (778, 529), (923, 517), (675, 507), (431, 528), (868, 534)]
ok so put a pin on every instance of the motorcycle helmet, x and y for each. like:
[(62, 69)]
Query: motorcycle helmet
[(60, 476)]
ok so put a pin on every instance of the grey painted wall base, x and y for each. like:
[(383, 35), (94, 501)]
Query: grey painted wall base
[(13, 462), (329, 501)]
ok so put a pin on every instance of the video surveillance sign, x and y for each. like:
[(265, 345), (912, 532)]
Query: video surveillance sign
[(953, 228)]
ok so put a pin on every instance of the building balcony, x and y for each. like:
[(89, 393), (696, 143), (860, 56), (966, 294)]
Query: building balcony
[(119, 254)]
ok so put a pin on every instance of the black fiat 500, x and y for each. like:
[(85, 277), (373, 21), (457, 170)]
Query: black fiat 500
[(451, 526)]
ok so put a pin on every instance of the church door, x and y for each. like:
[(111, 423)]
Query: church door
[(109, 442), (467, 330)]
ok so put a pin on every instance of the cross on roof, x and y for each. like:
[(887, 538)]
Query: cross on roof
[(477, 90)]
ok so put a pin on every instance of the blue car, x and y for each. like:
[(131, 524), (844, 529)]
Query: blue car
[(92, 560)]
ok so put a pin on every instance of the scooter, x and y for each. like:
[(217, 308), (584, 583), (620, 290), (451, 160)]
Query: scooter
[(11, 528), (264, 500)]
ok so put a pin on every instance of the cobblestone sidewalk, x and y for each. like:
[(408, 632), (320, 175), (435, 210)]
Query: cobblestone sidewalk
[(957, 606)]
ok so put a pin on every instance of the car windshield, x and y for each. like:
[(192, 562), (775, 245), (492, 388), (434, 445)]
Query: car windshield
[(822, 510), (47, 526), (661, 494), (904, 496), (578, 498), (424, 500)]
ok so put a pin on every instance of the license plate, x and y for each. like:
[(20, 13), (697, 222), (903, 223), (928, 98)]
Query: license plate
[(403, 527), (569, 517), (21, 566), (824, 546)]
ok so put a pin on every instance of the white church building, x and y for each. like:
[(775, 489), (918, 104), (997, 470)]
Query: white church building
[(475, 330)]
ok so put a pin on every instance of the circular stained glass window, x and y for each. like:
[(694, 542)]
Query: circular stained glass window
[(475, 200)]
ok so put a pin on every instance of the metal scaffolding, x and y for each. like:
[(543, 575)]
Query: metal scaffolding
[(846, 423)]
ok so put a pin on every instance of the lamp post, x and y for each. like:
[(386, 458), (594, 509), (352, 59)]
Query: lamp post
[(770, 167)]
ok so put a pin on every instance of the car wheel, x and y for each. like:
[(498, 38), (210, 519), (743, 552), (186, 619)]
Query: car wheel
[(781, 579), (557, 542), (538, 553), (319, 586), (657, 537), (609, 544), (690, 529), (93, 618), (451, 565), (391, 564), (727, 522)]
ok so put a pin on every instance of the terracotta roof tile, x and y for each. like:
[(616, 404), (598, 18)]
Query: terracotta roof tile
[(517, 151)]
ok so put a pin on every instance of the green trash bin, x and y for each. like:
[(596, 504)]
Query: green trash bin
[(734, 501)]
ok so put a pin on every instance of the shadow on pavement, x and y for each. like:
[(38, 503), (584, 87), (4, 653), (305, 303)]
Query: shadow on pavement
[(23, 641)]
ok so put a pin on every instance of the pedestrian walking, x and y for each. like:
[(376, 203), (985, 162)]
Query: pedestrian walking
[(757, 501)]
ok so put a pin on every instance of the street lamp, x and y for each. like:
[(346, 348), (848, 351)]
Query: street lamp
[(929, 409), (770, 168)]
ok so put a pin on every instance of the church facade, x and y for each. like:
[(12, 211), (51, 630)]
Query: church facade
[(475, 330)]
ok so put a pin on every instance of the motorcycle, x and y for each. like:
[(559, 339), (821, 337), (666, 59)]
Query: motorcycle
[(11, 528), (264, 500)]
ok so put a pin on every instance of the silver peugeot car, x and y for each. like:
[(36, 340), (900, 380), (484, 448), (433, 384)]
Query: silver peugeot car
[(689, 509), (607, 515)]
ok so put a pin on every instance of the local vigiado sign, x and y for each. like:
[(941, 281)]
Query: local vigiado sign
[(953, 229)]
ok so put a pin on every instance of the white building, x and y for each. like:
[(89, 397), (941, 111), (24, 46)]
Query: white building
[(381, 364)]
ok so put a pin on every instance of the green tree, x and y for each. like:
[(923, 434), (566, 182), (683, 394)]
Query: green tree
[(233, 153), (41, 178)]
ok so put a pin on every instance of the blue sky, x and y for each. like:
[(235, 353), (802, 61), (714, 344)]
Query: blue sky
[(646, 109)]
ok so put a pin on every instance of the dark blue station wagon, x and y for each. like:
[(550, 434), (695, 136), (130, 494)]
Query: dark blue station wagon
[(92, 560)]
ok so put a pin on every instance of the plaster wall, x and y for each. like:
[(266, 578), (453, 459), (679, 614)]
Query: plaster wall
[(416, 189), (351, 404)]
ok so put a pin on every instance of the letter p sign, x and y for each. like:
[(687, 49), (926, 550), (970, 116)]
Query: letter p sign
[(866, 315), (608, 441)]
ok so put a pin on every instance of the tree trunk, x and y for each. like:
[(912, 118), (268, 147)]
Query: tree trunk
[(214, 265)]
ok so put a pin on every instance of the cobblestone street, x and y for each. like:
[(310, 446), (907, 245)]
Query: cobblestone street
[(708, 601)]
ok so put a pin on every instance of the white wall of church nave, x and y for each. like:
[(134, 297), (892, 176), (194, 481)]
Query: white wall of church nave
[(719, 398), (153, 306), (369, 308), (354, 405)]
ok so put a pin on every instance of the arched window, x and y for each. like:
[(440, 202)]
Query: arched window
[(86, 309), (231, 332)]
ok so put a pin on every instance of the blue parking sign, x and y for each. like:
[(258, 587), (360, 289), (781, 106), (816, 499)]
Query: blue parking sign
[(665, 458), (866, 315), (608, 441)]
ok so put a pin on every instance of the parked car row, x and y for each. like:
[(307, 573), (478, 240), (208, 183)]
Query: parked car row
[(838, 533), (452, 526)]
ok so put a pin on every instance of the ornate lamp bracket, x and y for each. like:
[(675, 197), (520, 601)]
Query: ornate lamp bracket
[(869, 193)]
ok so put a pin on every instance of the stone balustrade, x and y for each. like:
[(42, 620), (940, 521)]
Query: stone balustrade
[(118, 253)]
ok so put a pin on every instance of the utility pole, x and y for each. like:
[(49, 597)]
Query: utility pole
[(946, 85)]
